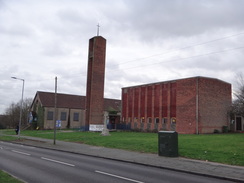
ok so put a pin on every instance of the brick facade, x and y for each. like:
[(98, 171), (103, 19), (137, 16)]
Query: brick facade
[(191, 105), (95, 81)]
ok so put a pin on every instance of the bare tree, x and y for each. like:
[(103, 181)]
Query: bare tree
[(238, 103), (11, 117)]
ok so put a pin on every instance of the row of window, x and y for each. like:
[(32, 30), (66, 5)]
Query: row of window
[(150, 120), (63, 116)]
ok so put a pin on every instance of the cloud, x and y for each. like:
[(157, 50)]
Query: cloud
[(154, 19), (147, 41)]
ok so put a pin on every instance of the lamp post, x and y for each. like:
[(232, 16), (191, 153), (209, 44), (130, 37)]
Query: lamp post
[(55, 111), (21, 107)]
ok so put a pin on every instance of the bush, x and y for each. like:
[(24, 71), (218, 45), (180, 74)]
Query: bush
[(216, 131), (155, 131), (225, 129), (136, 130), (2, 126)]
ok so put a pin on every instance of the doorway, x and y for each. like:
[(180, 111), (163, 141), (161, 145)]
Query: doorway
[(238, 124)]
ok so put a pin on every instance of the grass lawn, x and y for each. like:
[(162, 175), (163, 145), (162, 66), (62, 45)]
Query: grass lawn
[(6, 178), (222, 148), (8, 138)]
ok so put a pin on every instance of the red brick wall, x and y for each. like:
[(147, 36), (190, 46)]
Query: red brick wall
[(143, 100), (173, 100), (191, 105), (214, 102), (149, 101), (130, 101), (95, 80), (157, 100), (124, 103), (136, 102), (164, 100), (186, 106)]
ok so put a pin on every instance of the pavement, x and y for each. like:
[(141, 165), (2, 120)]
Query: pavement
[(210, 169)]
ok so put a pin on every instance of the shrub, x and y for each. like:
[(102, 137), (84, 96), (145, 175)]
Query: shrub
[(216, 131), (225, 129)]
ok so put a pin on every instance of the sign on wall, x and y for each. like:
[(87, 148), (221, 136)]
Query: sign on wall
[(96, 128)]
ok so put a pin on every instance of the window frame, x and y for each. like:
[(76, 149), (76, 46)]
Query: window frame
[(76, 116), (50, 115), (164, 120), (156, 120), (149, 120), (63, 116)]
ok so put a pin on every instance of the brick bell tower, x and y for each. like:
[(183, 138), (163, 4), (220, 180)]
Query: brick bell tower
[(95, 84)]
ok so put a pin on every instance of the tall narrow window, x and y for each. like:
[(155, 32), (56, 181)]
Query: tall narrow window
[(76, 116), (156, 120), (149, 120), (50, 115), (63, 116), (142, 120), (164, 120)]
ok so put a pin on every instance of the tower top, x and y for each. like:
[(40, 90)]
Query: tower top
[(98, 26)]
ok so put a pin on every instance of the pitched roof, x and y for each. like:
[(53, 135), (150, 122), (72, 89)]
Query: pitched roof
[(47, 99), (73, 101), (112, 105)]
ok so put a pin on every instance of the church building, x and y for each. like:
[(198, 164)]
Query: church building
[(71, 111), (189, 106), (91, 112)]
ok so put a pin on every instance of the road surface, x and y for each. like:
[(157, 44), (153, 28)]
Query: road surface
[(32, 164)]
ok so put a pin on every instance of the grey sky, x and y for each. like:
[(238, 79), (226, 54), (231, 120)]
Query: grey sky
[(147, 41)]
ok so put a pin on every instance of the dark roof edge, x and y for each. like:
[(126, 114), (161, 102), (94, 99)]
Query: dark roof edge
[(60, 93), (71, 95)]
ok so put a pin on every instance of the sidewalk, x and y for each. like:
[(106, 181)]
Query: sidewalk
[(228, 172)]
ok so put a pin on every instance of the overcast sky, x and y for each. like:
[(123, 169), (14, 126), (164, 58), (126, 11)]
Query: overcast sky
[(147, 41)]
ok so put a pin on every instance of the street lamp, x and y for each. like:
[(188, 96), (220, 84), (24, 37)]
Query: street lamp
[(21, 107)]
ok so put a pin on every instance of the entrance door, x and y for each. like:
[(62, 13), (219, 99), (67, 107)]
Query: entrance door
[(238, 124), (112, 122)]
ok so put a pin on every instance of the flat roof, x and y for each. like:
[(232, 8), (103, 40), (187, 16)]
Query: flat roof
[(170, 81)]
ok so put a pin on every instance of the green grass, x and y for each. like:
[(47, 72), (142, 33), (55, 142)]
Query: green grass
[(8, 138), (222, 148), (6, 178), (5, 132)]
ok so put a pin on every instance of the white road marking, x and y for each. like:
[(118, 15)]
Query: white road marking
[(21, 152), (112, 175), (30, 147), (57, 161)]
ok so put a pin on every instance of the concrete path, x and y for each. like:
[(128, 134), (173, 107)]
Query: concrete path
[(234, 173)]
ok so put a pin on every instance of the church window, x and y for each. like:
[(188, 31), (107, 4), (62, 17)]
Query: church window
[(63, 116), (76, 116), (50, 115)]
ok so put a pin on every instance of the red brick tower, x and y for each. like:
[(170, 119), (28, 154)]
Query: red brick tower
[(95, 83)]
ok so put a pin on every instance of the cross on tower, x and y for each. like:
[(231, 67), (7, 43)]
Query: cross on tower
[(98, 29)]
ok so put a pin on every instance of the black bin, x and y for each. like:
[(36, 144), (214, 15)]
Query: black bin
[(168, 143)]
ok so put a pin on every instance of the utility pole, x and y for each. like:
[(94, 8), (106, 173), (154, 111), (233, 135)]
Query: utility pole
[(55, 111)]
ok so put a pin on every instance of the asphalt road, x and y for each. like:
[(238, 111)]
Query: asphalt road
[(32, 164)]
